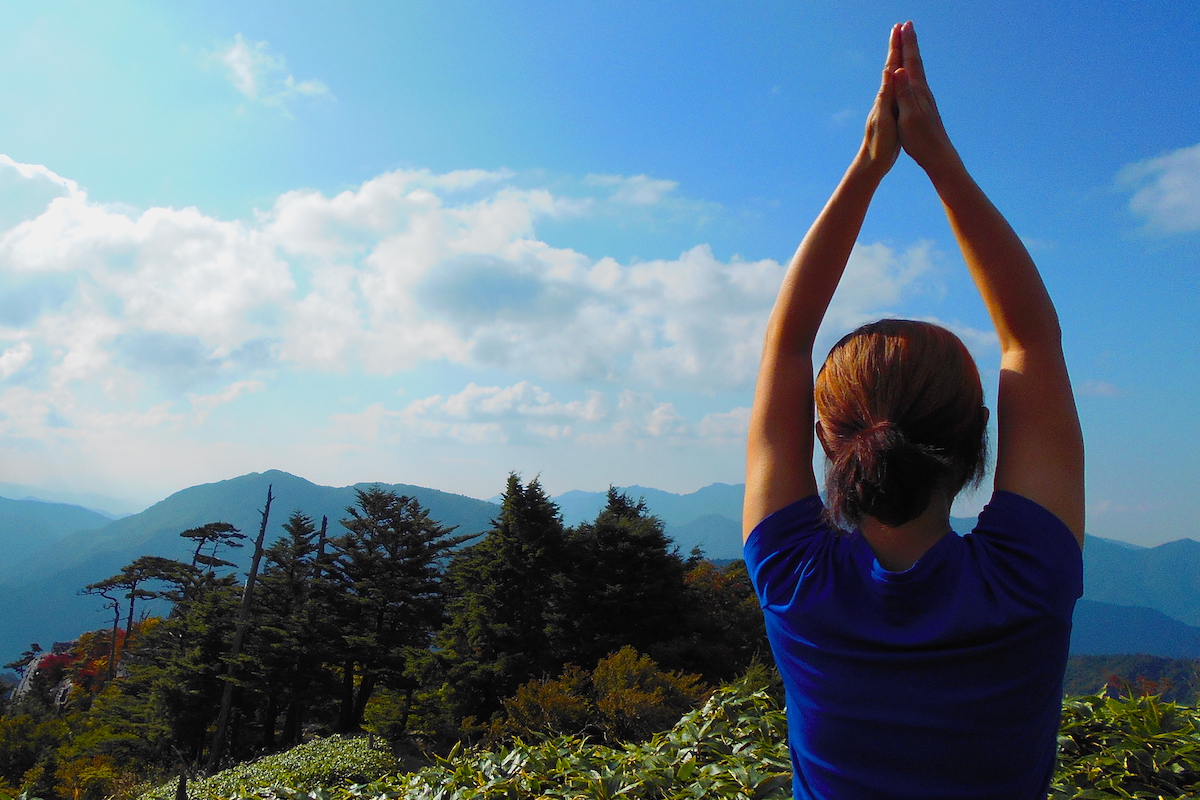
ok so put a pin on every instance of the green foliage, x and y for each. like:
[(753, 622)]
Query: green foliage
[(733, 747), (626, 698), (624, 586), (1127, 747), (321, 763), (505, 599), (389, 568)]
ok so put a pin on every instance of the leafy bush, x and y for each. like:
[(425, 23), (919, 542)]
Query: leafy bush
[(1127, 747), (337, 760), (735, 747), (626, 698)]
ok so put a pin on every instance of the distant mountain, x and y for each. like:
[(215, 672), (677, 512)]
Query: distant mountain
[(709, 518), (39, 593), (33, 528), (1104, 629), (1165, 578), (110, 507)]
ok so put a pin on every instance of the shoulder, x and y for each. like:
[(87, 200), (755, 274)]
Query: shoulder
[(1009, 516), (790, 525), (779, 546), (1028, 549)]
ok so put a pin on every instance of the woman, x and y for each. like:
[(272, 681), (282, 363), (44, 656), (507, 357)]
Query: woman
[(917, 663)]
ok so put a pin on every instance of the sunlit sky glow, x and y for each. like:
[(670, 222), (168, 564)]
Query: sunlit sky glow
[(431, 243)]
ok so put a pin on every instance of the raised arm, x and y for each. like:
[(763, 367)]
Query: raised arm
[(780, 447), (1039, 452)]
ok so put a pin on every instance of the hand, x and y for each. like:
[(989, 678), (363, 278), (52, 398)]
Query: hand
[(881, 142), (922, 134)]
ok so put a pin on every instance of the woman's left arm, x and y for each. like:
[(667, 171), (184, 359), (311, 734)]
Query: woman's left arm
[(780, 446)]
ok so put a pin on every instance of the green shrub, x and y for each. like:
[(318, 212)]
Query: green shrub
[(735, 748), (337, 760), (1127, 747), (626, 698)]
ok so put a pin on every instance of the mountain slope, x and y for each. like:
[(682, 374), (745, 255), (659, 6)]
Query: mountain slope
[(30, 529), (1166, 577), (1105, 629), (41, 602)]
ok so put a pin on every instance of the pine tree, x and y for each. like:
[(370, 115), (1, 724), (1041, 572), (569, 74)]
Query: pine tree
[(291, 642), (625, 587), (389, 565), (506, 594)]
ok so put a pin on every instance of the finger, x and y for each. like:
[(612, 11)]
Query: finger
[(895, 49), (911, 55), (887, 93)]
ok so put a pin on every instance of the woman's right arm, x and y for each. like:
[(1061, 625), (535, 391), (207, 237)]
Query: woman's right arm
[(1039, 452)]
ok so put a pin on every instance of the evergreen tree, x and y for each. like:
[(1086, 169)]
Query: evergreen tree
[(506, 596), (215, 535), (389, 564), (724, 620), (625, 587), (290, 646)]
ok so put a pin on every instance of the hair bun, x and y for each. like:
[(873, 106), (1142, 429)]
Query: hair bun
[(890, 477)]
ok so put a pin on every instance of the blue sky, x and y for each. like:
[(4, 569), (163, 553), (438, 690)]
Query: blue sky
[(434, 242)]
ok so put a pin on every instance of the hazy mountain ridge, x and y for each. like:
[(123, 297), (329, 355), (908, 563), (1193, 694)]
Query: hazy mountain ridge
[(1144, 598), (1165, 578), (28, 527), (40, 596), (708, 518)]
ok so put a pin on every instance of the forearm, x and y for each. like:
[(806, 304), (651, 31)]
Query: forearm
[(817, 267), (780, 439), (1007, 279)]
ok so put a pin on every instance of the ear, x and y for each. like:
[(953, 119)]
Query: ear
[(987, 414)]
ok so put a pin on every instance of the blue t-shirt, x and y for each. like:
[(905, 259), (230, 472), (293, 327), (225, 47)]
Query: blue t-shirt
[(942, 681)]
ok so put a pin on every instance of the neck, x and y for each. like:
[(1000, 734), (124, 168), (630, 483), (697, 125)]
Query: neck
[(900, 547)]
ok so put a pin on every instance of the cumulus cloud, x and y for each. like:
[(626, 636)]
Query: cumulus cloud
[(1166, 190), (15, 357), (178, 311), (262, 76), (526, 413)]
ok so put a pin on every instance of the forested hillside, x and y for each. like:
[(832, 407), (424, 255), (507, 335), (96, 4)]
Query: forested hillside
[(39, 590), (382, 618)]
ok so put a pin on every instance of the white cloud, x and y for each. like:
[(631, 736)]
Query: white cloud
[(1166, 190), (203, 404), (120, 317), (1100, 389), (527, 413), (262, 76), (15, 357), (638, 190)]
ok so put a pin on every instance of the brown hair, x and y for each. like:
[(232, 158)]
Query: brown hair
[(900, 414)]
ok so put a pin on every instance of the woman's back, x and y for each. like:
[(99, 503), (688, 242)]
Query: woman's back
[(942, 679)]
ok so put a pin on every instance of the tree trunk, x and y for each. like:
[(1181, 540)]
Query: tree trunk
[(269, 716), (365, 687), (408, 693), (112, 650), (293, 723), (243, 617), (346, 714)]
